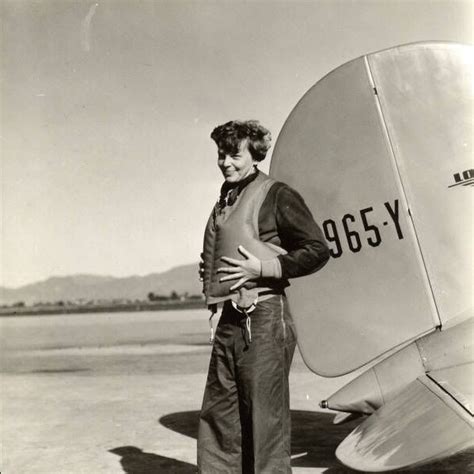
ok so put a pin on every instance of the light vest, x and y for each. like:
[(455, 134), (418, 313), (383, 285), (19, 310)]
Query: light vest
[(231, 226)]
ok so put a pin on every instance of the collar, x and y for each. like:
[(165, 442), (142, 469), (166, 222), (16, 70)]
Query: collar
[(230, 191)]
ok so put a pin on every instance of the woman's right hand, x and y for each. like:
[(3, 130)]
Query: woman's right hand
[(201, 268)]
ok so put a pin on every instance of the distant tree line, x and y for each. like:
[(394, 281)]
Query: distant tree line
[(152, 297), (173, 296)]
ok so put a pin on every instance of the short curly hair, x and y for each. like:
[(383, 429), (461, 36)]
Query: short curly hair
[(229, 136)]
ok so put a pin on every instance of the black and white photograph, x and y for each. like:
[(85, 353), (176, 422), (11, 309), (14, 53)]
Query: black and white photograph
[(236, 236)]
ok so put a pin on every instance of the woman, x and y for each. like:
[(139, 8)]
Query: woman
[(260, 234)]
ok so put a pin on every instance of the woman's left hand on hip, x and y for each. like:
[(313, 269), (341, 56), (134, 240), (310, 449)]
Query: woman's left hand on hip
[(244, 270)]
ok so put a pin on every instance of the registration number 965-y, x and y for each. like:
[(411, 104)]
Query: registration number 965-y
[(342, 234)]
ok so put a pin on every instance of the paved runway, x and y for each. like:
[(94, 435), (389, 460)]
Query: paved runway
[(120, 393)]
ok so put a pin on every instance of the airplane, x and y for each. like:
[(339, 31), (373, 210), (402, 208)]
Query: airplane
[(381, 151)]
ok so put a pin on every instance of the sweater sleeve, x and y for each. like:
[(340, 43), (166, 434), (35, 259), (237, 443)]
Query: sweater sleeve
[(300, 236)]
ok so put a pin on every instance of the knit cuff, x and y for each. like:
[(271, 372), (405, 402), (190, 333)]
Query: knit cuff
[(271, 268)]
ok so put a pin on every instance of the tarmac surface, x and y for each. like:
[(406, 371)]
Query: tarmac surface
[(120, 393)]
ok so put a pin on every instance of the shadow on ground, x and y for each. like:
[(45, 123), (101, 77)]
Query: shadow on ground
[(135, 461), (314, 439)]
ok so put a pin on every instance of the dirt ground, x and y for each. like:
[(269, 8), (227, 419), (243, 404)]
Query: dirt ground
[(121, 394)]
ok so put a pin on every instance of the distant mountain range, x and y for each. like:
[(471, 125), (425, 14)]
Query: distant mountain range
[(180, 279)]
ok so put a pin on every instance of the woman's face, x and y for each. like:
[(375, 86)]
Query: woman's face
[(236, 167)]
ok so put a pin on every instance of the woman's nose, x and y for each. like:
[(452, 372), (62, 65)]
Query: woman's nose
[(226, 161)]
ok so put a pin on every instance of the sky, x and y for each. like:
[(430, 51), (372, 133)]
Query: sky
[(107, 106)]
